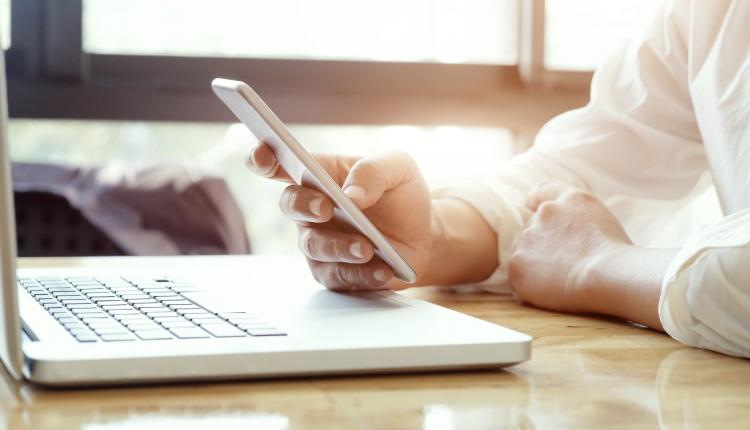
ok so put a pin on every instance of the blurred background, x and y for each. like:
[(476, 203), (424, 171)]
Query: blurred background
[(458, 84)]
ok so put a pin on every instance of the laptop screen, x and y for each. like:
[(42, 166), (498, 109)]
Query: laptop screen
[(10, 325)]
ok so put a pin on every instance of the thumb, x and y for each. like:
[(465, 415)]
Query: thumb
[(370, 177)]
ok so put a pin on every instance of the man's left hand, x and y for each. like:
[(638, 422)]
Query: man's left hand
[(556, 253)]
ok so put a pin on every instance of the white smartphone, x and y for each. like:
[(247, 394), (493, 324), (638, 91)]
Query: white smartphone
[(303, 168)]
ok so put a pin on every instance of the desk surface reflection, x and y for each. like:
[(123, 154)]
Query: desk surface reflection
[(585, 373)]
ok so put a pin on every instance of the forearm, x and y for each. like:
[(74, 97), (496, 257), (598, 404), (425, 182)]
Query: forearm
[(464, 248), (626, 283)]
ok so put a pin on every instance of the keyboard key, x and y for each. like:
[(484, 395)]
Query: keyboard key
[(111, 331), (96, 319), (79, 331), (157, 290), (109, 323), (117, 337), (41, 295), (67, 294), (176, 307), (135, 296), (253, 326), (142, 301), (188, 333), (93, 289), (202, 321), (109, 302), (124, 312), (117, 306), (74, 326), (265, 332), (67, 320), (143, 326), (155, 305), (223, 330), (94, 292), (153, 334), (86, 337), (177, 302), (176, 324), (67, 302), (125, 290), (90, 312), (192, 312), (62, 314), (81, 306), (131, 317), (100, 293), (163, 316), (153, 313)]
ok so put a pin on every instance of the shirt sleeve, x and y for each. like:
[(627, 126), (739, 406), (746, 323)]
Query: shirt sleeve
[(705, 299), (637, 139)]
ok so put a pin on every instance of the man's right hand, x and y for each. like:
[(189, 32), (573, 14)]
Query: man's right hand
[(392, 193)]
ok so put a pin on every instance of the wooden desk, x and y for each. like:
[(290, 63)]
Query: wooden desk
[(585, 373)]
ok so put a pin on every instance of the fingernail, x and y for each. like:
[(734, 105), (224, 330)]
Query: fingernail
[(356, 249), (250, 160), (251, 157), (316, 206), (379, 275), (355, 192)]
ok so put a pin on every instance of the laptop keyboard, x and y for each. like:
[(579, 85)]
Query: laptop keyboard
[(122, 309)]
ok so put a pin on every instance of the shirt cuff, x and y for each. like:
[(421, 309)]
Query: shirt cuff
[(503, 209), (705, 297)]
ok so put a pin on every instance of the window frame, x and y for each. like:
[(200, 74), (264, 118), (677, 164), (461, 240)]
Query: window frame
[(50, 76)]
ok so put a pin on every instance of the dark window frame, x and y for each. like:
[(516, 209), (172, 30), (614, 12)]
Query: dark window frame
[(50, 76)]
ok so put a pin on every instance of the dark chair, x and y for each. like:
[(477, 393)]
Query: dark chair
[(48, 226)]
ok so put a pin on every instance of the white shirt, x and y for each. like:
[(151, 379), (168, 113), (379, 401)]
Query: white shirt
[(666, 132)]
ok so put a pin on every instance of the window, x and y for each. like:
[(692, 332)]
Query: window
[(387, 30), (581, 33), (220, 149), (418, 61), (349, 77), (5, 23)]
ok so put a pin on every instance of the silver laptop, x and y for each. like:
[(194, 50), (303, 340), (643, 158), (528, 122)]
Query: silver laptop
[(217, 318)]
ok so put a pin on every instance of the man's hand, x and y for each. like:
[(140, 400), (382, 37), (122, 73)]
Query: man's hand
[(392, 193), (570, 233)]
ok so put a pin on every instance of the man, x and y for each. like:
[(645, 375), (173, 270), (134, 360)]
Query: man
[(579, 223)]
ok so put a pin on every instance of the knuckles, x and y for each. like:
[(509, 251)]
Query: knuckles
[(287, 200), (578, 197), (307, 242), (548, 210)]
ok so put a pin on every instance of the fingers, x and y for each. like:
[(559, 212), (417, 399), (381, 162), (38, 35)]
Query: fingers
[(370, 177), (302, 204), (373, 275), (544, 192), (263, 162), (330, 246)]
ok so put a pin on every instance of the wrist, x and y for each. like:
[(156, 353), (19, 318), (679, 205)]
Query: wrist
[(625, 281), (597, 287), (463, 247)]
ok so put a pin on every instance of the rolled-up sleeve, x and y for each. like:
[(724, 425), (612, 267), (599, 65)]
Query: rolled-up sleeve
[(705, 299), (636, 140)]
